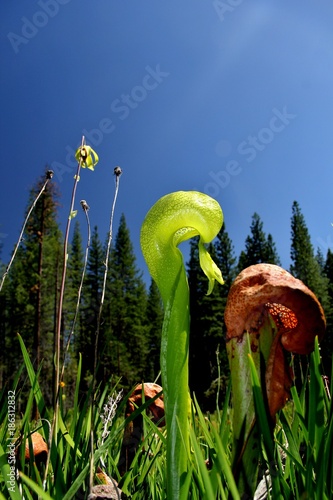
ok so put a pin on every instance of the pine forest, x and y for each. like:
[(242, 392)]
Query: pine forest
[(130, 327)]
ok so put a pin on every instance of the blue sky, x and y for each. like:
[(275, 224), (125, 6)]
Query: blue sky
[(229, 98)]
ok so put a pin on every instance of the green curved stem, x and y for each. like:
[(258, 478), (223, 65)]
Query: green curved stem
[(246, 433), (175, 218)]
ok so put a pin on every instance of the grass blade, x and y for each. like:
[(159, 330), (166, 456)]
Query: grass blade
[(43, 495), (12, 489), (32, 377)]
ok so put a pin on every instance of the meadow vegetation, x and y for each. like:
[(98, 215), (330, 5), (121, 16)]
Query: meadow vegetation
[(236, 415)]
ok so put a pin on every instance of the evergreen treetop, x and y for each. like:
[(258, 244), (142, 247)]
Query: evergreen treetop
[(258, 247), (305, 266), (126, 334)]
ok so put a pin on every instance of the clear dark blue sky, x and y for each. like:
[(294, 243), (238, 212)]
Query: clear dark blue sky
[(231, 98)]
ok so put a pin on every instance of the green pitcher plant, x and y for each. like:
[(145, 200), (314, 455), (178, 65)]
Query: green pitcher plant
[(173, 219)]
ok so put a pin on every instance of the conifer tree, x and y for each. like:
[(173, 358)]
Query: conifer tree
[(304, 265), (72, 332), (327, 344), (73, 279), (226, 259), (154, 321), (126, 334), (258, 247), (328, 269), (2, 325), (272, 256), (31, 287), (206, 335), (321, 260), (85, 337)]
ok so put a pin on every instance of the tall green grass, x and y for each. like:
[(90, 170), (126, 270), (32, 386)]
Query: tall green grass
[(299, 455), (296, 459)]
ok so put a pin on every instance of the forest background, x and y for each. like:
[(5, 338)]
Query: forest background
[(130, 330)]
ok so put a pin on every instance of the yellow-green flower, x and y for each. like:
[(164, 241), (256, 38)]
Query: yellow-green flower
[(87, 157), (209, 267)]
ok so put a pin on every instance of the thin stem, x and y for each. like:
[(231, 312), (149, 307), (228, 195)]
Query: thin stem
[(60, 307), (63, 279), (117, 172), (85, 209), (49, 175)]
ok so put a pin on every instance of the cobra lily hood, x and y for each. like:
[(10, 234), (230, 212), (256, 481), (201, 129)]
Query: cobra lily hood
[(297, 314)]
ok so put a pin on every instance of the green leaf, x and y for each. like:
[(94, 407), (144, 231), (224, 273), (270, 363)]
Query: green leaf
[(261, 410), (209, 268), (43, 495), (264, 427), (32, 377), (67, 436), (225, 466), (208, 490), (72, 214), (6, 470)]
